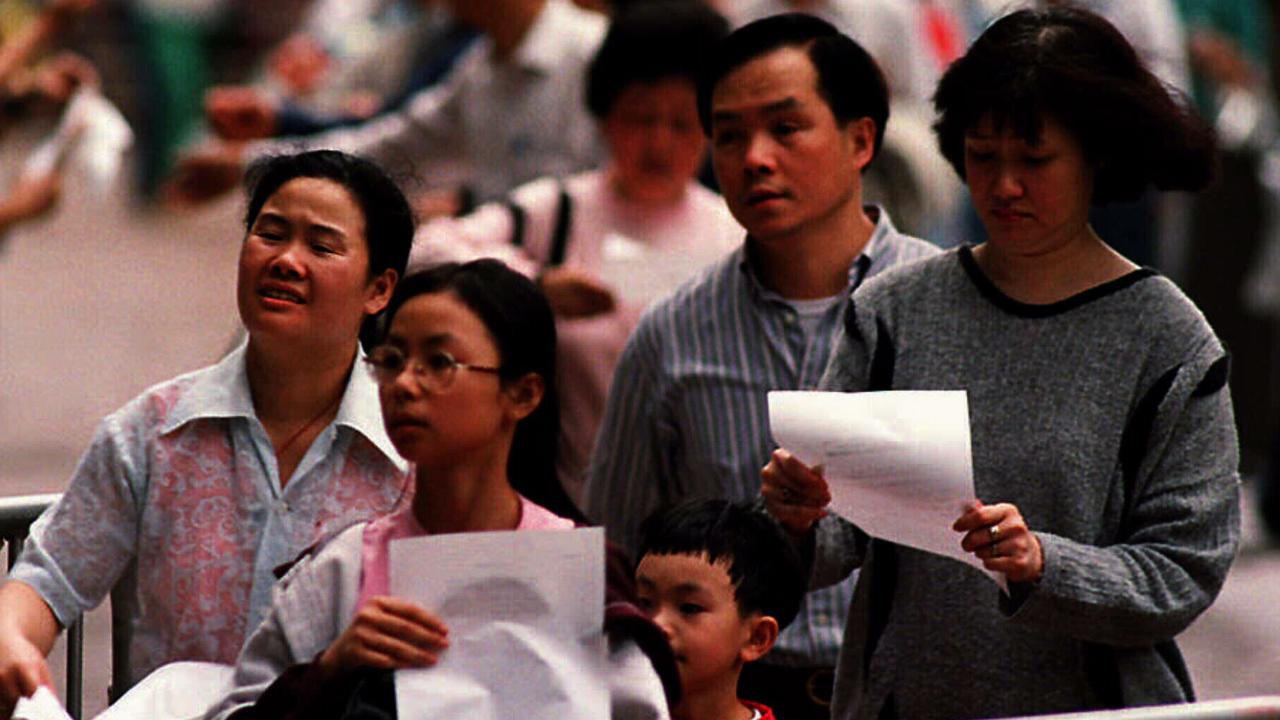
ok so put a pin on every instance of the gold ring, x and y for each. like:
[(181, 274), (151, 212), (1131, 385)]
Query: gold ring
[(994, 532)]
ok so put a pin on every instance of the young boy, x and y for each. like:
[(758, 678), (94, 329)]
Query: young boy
[(721, 580)]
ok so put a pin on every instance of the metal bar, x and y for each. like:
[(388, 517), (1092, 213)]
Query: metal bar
[(16, 515), (15, 548), (75, 668), (1265, 707), (18, 512)]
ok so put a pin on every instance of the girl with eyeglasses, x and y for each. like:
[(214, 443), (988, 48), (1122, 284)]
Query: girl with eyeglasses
[(465, 373)]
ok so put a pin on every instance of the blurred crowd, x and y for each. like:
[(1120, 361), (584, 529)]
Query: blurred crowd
[(464, 102)]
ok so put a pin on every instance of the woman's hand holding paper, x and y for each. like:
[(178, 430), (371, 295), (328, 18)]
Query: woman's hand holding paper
[(999, 537)]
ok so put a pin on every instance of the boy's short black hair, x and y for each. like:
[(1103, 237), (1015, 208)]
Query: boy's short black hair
[(849, 80), (763, 566)]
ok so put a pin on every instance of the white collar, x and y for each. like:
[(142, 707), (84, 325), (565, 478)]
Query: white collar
[(222, 391)]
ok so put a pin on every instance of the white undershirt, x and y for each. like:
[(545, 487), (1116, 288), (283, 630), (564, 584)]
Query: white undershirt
[(811, 312)]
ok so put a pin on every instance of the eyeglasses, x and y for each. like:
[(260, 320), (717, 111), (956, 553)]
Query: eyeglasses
[(434, 373)]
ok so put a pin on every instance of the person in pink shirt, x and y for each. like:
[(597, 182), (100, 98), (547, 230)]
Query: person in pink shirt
[(466, 378), (605, 243)]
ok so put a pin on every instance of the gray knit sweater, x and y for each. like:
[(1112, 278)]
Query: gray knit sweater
[(1105, 419)]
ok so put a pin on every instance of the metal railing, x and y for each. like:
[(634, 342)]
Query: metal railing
[(16, 515), (1253, 708)]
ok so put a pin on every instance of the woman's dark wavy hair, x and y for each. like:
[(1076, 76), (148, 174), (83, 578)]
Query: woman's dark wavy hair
[(519, 319), (388, 219), (1074, 66), (652, 41)]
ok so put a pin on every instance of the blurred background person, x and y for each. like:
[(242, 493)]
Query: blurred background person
[(341, 68), (1234, 223), (606, 242), (29, 198), (26, 82), (26, 34), (506, 114)]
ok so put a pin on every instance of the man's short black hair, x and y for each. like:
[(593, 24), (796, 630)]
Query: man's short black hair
[(652, 41), (763, 566), (849, 80)]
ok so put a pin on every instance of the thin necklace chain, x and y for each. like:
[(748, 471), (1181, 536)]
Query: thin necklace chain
[(294, 437)]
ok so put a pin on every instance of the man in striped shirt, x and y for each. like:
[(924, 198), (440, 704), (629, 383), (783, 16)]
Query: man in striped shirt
[(795, 111)]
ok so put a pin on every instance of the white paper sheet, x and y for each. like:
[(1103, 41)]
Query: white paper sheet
[(92, 135), (176, 691), (40, 706), (898, 463), (525, 612)]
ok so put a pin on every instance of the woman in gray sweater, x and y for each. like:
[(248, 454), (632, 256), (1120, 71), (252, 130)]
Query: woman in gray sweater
[(1104, 450)]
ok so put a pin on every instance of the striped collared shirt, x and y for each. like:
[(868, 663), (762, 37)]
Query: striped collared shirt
[(688, 414)]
